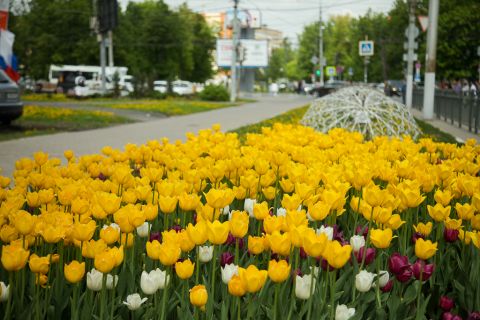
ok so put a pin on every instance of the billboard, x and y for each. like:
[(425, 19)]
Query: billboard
[(256, 53)]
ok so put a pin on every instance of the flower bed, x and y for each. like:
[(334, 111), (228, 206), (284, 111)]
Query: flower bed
[(292, 224)]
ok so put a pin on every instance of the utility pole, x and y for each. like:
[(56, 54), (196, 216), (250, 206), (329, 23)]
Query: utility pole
[(233, 84), (320, 48), (103, 63), (411, 43), (110, 48), (429, 92), (365, 65)]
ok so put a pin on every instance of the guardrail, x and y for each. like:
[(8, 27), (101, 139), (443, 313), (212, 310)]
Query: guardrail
[(460, 110)]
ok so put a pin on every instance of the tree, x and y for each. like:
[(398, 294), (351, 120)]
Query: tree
[(279, 60)]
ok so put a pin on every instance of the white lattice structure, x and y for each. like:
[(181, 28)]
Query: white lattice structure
[(362, 109)]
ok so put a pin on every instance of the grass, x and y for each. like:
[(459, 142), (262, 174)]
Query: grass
[(168, 106), (45, 120), (295, 115)]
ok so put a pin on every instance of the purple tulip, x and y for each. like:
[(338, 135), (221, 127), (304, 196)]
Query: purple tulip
[(325, 266), (303, 254), (450, 235), (425, 270), (388, 287), (362, 230), (226, 258), (474, 316), (405, 276), (446, 303), (450, 316), (337, 234), (398, 263), (176, 227), (296, 272), (230, 240), (368, 259), (102, 177), (156, 235), (416, 236)]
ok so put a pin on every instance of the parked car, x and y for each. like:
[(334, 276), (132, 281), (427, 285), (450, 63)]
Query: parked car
[(160, 86), (11, 107), (394, 88), (182, 88)]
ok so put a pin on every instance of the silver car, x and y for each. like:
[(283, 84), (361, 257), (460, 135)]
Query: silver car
[(11, 107)]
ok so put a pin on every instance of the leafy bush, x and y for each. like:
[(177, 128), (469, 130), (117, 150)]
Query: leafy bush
[(214, 93)]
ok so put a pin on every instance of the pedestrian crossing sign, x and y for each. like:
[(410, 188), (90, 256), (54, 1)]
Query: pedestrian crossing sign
[(365, 48)]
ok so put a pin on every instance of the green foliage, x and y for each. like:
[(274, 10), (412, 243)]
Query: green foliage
[(215, 93)]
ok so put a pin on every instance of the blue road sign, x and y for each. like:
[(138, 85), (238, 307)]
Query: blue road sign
[(365, 48)]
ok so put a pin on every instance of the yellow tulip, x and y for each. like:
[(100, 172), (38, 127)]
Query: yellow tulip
[(314, 245), (219, 198), (319, 210), (184, 241), (110, 235), (167, 204), (169, 253), (8, 233), (373, 195), (411, 198), (24, 222), (52, 234), (153, 249), (198, 296), (273, 223), (381, 238), (74, 271), (454, 224), (252, 278), (438, 212), (239, 224), (39, 264), (291, 202), (104, 261), (465, 211), (14, 258), (80, 206), (184, 269), (443, 197), (33, 199), (127, 239), (188, 202), (425, 249), (121, 218), (118, 254), (395, 222), (84, 231), (92, 247), (424, 228), (256, 245), (218, 231), (198, 233), (279, 243), (236, 287), (261, 210), (336, 254), (278, 271), (296, 218)]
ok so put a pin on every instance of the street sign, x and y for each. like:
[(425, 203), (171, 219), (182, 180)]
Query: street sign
[(365, 48), (416, 32), (331, 71), (350, 71), (414, 57), (415, 46), (423, 22), (314, 60), (323, 61)]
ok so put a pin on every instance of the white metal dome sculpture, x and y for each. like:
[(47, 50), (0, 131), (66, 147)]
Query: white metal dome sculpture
[(362, 109)]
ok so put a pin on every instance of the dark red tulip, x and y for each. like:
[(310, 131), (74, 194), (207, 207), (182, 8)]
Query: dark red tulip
[(226, 258), (416, 236), (325, 266), (102, 177), (388, 287), (474, 316), (362, 230), (303, 254), (368, 259), (405, 276), (155, 236), (337, 234), (450, 235), (230, 240), (270, 212), (425, 270), (296, 272), (450, 316), (177, 228), (446, 303), (398, 263)]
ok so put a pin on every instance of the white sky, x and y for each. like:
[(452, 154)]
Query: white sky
[(288, 16)]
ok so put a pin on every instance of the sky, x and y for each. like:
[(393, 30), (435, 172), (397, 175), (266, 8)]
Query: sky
[(288, 16)]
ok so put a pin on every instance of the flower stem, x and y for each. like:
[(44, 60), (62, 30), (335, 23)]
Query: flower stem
[(103, 296), (9, 301), (377, 287), (212, 288), (275, 304), (239, 310), (165, 289), (332, 294), (312, 282)]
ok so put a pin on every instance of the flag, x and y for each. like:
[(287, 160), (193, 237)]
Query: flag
[(8, 61)]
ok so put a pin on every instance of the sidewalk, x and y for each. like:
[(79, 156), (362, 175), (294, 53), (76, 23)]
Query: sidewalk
[(460, 134), (174, 128)]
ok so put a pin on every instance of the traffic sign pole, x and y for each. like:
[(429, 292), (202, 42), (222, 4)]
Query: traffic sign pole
[(233, 69), (411, 41), (429, 92)]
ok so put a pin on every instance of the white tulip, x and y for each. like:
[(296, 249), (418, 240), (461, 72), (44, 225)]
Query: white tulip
[(357, 242), (343, 312), (302, 286), (147, 283), (134, 301), (5, 292), (248, 206), (228, 272), (364, 280), (94, 280), (226, 210), (383, 278), (205, 253), (142, 231), (112, 281), (281, 212), (113, 225), (158, 277), (315, 271), (328, 231)]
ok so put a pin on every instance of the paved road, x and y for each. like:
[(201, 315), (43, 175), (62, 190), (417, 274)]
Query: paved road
[(87, 142)]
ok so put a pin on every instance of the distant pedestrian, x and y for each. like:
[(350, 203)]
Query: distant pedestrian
[(274, 88), (458, 87), (465, 88), (473, 89)]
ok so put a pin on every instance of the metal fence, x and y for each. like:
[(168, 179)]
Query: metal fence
[(460, 110)]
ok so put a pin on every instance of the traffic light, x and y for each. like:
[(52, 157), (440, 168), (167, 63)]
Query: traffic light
[(318, 72), (107, 15)]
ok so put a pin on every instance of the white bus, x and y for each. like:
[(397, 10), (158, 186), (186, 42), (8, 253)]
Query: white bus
[(86, 80)]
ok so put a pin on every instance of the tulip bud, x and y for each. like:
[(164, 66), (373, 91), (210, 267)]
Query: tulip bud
[(328, 231), (370, 255), (422, 271), (155, 236), (302, 286), (228, 271), (142, 230), (357, 242), (198, 296), (134, 301), (147, 282), (388, 287), (474, 315), (450, 316), (446, 303), (383, 278), (364, 280), (342, 312), (398, 263), (5, 291), (416, 236), (112, 281), (248, 206), (450, 235), (362, 230), (94, 280), (205, 253)]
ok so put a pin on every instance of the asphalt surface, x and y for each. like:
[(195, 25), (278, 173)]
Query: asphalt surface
[(174, 128)]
